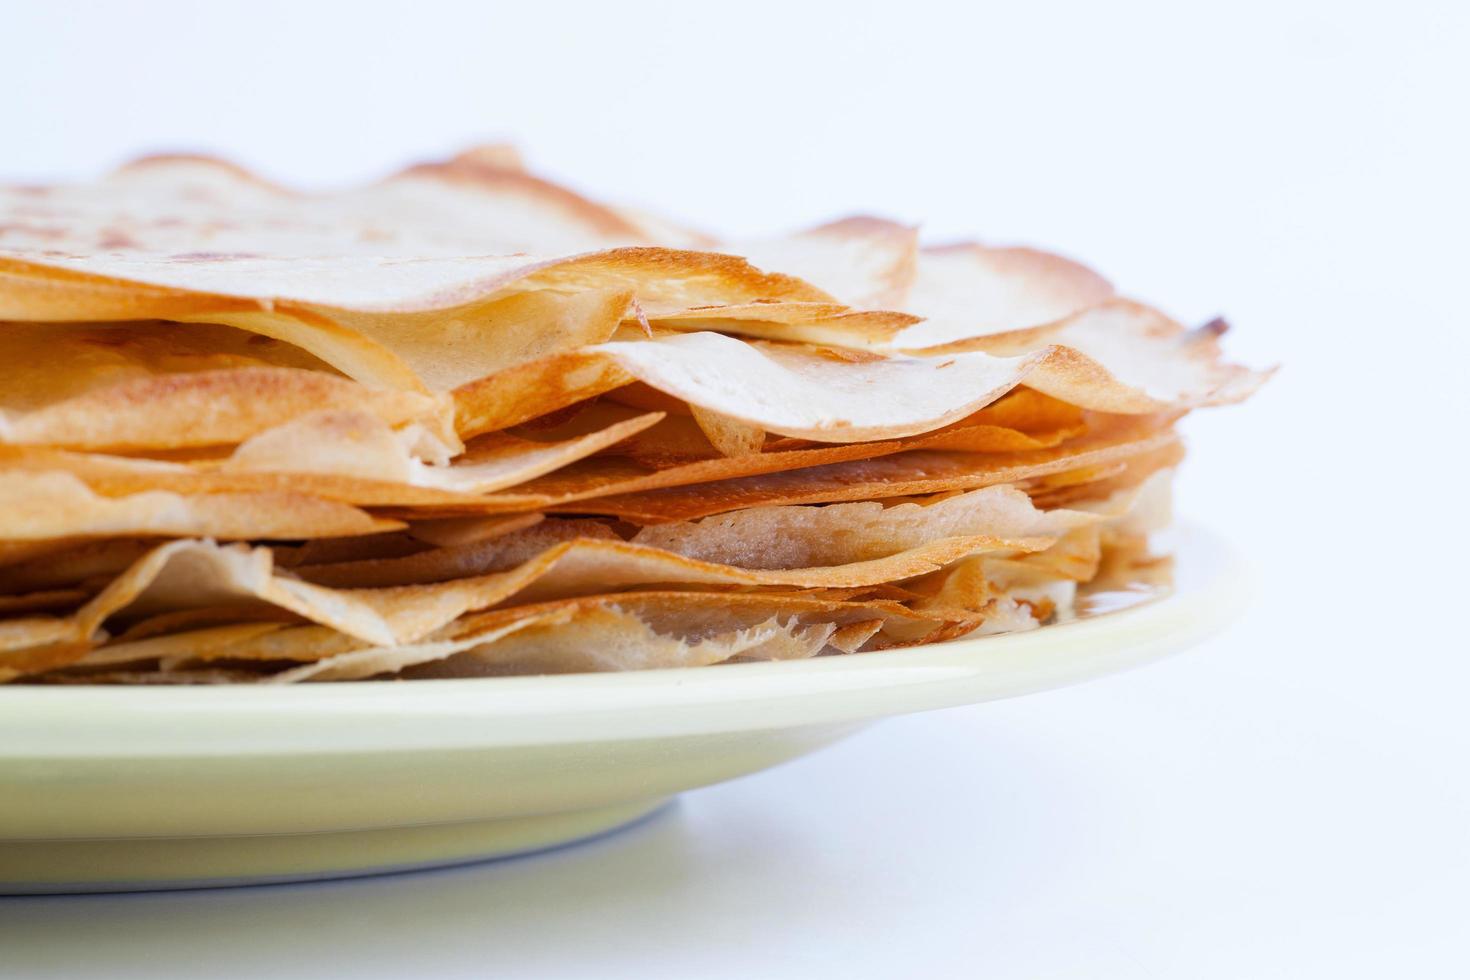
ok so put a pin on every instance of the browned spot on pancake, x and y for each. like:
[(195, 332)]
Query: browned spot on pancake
[(112, 239)]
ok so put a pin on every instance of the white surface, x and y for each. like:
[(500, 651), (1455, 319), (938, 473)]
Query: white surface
[(1288, 801)]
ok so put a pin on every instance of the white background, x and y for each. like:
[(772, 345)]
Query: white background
[(1290, 800)]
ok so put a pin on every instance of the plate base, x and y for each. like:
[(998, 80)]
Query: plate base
[(150, 864)]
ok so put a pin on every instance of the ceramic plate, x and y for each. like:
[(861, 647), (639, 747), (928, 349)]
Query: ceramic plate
[(116, 788)]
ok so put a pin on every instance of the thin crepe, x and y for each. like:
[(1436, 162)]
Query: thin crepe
[(824, 396), (350, 457), (184, 574), (897, 474), (36, 506), (142, 386)]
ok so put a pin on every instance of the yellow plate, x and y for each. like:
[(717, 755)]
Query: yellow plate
[(115, 788)]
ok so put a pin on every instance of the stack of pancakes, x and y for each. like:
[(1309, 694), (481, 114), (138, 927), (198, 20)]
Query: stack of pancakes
[(466, 422)]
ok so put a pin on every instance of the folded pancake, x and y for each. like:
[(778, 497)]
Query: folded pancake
[(152, 385), (826, 396), (878, 477), (970, 290), (346, 456), (39, 506), (379, 319), (864, 262), (638, 631)]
